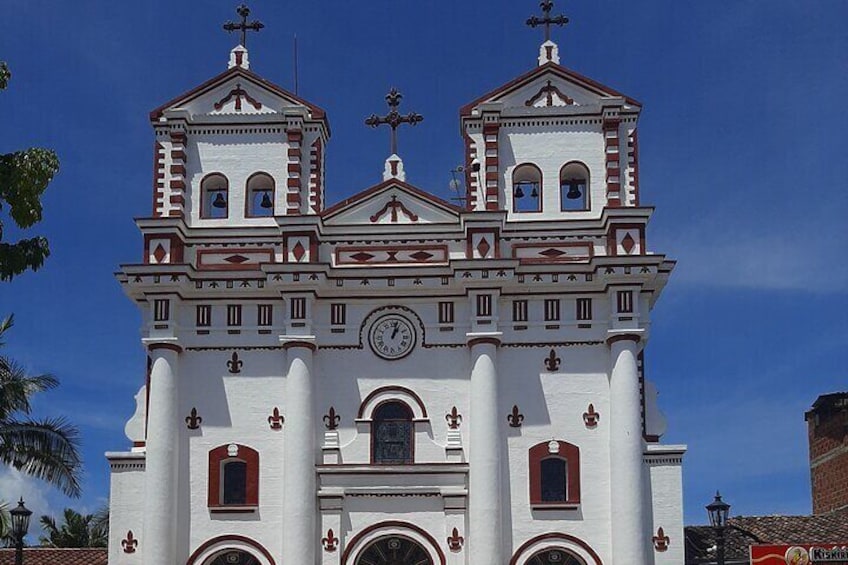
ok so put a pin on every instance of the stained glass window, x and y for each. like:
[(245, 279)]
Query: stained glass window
[(554, 480), (234, 557), (394, 550), (235, 482), (555, 557), (392, 434)]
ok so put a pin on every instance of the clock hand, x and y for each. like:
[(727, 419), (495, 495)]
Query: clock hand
[(395, 331)]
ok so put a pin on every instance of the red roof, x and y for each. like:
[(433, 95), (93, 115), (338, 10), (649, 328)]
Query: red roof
[(564, 72), (54, 556)]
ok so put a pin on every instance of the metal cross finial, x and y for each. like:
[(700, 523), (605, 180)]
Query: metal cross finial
[(547, 20), (255, 25), (394, 118)]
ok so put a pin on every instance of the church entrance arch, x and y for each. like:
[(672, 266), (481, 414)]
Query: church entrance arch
[(555, 556), (233, 557), (393, 542), (394, 550), (231, 550)]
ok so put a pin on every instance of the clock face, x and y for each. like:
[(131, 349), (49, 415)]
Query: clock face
[(392, 337)]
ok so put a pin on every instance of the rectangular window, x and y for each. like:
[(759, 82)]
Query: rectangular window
[(338, 314), (234, 315), (161, 310), (298, 308), (264, 315), (552, 310), (584, 309), (203, 315), (625, 301), (445, 312), (484, 305), (519, 310)]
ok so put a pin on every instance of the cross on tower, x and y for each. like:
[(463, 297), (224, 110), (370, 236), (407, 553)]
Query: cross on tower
[(255, 25), (547, 20), (394, 118)]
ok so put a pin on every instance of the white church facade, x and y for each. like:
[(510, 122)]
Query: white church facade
[(394, 379)]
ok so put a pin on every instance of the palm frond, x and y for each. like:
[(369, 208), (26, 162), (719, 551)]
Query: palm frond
[(16, 387), (5, 324), (47, 449)]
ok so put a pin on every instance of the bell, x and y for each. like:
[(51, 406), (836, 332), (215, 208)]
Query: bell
[(573, 192), (266, 201), (534, 193), (219, 201), (519, 193)]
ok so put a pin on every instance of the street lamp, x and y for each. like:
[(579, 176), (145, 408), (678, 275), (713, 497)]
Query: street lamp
[(20, 525), (718, 511)]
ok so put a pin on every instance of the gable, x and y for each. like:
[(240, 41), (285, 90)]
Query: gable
[(394, 203), (549, 85), (235, 92)]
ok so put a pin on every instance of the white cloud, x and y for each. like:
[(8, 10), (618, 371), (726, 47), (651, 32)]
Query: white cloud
[(14, 485), (775, 256)]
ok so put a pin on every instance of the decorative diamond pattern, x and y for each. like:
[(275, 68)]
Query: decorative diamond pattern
[(553, 253), (237, 259), (421, 255), (159, 254), (298, 251), (628, 243), (362, 257), (483, 247)]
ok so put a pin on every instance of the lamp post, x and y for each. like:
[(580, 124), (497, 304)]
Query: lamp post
[(718, 511), (20, 525)]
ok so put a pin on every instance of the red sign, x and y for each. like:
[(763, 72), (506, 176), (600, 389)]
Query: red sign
[(803, 554)]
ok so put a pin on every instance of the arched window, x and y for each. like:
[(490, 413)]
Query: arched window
[(554, 475), (394, 549), (235, 482), (574, 187), (233, 557), (214, 196), (260, 196), (526, 189), (392, 434), (555, 556), (233, 477)]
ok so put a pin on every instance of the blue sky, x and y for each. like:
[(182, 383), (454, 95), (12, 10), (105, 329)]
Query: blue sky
[(741, 143)]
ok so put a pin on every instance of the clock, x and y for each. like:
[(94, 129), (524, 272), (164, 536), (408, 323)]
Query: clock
[(392, 337)]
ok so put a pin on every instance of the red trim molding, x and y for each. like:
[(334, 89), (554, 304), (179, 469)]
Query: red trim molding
[(624, 337), (391, 389), (170, 346), (218, 456), (295, 343), (484, 341), (395, 524), (568, 452), (231, 538), (555, 536)]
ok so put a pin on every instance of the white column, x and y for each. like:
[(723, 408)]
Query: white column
[(158, 540), (299, 497), (629, 541), (484, 481)]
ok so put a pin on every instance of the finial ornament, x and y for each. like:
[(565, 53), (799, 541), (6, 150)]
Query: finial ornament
[(394, 119), (547, 20), (243, 26)]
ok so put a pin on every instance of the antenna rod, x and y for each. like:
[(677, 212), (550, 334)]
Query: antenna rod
[(295, 65)]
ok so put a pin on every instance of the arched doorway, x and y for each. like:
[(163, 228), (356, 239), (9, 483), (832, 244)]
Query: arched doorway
[(555, 556), (232, 557), (394, 550)]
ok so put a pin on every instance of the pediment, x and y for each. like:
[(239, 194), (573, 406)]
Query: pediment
[(549, 86), (392, 203), (237, 92)]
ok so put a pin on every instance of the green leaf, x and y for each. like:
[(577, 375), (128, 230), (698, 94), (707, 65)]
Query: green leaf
[(24, 176), (5, 75)]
